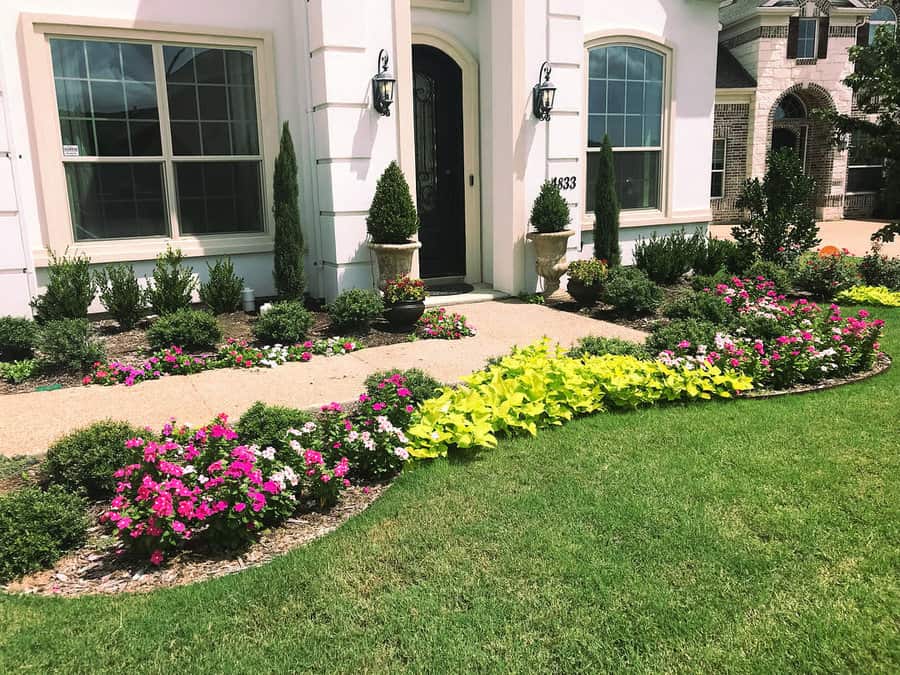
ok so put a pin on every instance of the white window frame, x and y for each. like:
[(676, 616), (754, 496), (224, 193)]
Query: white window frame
[(57, 227), (876, 24), (815, 40), (724, 165)]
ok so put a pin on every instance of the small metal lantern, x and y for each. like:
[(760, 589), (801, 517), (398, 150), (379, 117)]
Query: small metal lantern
[(383, 86), (543, 94)]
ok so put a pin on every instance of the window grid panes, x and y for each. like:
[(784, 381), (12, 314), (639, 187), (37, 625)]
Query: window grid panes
[(717, 187), (625, 103), (806, 38), (108, 102), (865, 170)]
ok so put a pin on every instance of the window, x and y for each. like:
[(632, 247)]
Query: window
[(865, 170), (883, 17), (790, 108), (625, 102), (149, 125), (717, 187), (806, 38)]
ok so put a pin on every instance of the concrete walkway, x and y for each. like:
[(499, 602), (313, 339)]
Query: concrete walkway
[(30, 422), (854, 235)]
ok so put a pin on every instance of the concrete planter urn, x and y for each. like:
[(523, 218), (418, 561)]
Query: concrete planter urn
[(550, 257), (394, 260)]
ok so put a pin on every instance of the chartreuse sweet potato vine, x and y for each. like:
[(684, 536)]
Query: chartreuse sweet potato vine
[(870, 295), (539, 386)]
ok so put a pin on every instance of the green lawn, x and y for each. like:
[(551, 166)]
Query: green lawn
[(755, 536)]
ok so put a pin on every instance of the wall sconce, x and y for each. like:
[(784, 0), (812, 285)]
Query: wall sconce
[(543, 94), (383, 86)]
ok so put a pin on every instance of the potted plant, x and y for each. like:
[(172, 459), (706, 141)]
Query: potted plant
[(404, 301), (392, 223), (586, 279), (549, 217)]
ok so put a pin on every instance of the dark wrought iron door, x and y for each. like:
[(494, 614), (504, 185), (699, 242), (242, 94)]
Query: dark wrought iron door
[(440, 179)]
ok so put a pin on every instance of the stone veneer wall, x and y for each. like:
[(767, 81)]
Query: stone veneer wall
[(732, 122)]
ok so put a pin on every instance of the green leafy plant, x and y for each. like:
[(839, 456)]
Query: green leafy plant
[(17, 338), (68, 344), (771, 271), (267, 425), (666, 259), (222, 292), (588, 272), (190, 329), (172, 284), (83, 461), (606, 209), (286, 323), (70, 289), (403, 289), (593, 345), (877, 269), (704, 281), (532, 298), (355, 309), (824, 276), (392, 215), (289, 247), (120, 294), (18, 371), (629, 290), (782, 222), (698, 305), (421, 385), (550, 213), (694, 331), (717, 254), (37, 528)]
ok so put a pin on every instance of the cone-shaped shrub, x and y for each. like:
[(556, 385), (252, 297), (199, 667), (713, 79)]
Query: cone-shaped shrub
[(550, 213), (606, 209), (288, 272), (392, 216)]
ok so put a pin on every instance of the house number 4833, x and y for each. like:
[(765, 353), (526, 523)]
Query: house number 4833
[(564, 182)]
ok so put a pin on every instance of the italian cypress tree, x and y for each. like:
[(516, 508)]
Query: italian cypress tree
[(288, 272), (606, 209)]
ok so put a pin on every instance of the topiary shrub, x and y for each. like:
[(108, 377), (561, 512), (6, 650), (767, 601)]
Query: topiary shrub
[(421, 385), (824, 276), (37, 528), (598, 346), (289, 248), (84, 461), (606, 209), (222, 292), (286, 323), (67, 344), (550, 213), (172, 285), (70, 290), (355, 309), (667, 259), (267, 425), (670, 335), (17, 338), (392, 216), (190, 329), (629, 290), (120, 294), (698, 305)]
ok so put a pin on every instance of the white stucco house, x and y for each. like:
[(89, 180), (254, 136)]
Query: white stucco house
[(138, 123)]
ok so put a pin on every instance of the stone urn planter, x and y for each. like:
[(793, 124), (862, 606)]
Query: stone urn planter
[(393, 260), (550, 257), (404, 314), (585, 295)]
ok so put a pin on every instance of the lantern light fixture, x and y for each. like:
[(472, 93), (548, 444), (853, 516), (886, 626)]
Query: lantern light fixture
[(543, 94), (383, 86)]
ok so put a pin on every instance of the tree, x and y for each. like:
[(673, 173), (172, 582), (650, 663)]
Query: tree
[(550, 213), (392, 215), (289, 280), (606, 209), (782, 217)]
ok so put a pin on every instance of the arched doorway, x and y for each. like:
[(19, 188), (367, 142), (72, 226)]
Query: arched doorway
[(791, 127)]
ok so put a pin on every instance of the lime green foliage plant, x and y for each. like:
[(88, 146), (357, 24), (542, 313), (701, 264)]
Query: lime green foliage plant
[(550, 213), (18, 371), (539, 386), (870, 295), (392, 215), (289, 247), (120, 294)]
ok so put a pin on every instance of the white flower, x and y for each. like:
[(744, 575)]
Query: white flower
[(402, 453), (268, 453), (202, 479), (189, 469), (295, 446), (294, 432)]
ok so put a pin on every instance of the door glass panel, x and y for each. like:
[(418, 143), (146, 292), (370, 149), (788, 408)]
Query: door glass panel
[(426, 146)]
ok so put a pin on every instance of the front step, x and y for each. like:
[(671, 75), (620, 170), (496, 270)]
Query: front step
[(481, 293)]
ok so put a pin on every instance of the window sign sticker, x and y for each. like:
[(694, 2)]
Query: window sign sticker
[(70, 151)]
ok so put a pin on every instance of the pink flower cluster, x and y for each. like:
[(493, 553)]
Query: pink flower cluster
[(442, 325)]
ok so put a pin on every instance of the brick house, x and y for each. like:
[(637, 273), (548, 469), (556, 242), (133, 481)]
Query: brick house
[(778, 61)]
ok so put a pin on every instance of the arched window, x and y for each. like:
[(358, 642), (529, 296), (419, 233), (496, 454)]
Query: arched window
[(625, 102), (884, 16), (790, 108)]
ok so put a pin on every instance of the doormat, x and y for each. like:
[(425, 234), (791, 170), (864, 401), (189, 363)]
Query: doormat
[(449, 289)]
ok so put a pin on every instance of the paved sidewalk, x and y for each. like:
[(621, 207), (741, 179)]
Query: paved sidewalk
[(854, 235), (30, 422)]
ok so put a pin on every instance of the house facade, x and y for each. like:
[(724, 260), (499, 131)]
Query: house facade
[(142, 123), (779, 61)]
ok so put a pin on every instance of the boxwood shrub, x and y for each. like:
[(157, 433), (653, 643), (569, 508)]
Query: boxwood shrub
[(190, 329), (355, 309), (421, 385), (17, 338), (267, 425), (594, 345), (286, 323), (629, 290), (67, 345)]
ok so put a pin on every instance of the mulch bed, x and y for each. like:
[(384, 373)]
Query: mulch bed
[(563, 301), (95, 569)]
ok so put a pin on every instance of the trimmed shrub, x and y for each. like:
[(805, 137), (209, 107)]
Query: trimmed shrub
[(83, 461), (599, 346), (716, 254), (392, 216), (421, 385), (190, 329), (267, 425), (120, 294), (289, 248), (70, 290), (172, 284), (222, 293), (670, 335), (550, 213), (37, 528), (606, 209), (667, 259), (770, 271), (629, 290), (17, 338), (824, 276), (286, 323), (355, 309), (67, 344), (698, 305)]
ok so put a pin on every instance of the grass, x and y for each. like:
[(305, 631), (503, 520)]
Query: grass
[(753, 536)]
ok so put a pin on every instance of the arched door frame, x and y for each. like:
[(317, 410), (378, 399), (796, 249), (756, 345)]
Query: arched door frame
[(426, 35)]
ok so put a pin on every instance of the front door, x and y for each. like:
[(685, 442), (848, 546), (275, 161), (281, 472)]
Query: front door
[(440, 179)]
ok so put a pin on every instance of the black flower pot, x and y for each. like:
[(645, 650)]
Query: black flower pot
[(404, 314), (586, 295)]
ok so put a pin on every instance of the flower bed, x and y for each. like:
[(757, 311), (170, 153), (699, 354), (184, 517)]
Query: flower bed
[(439, 324)]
